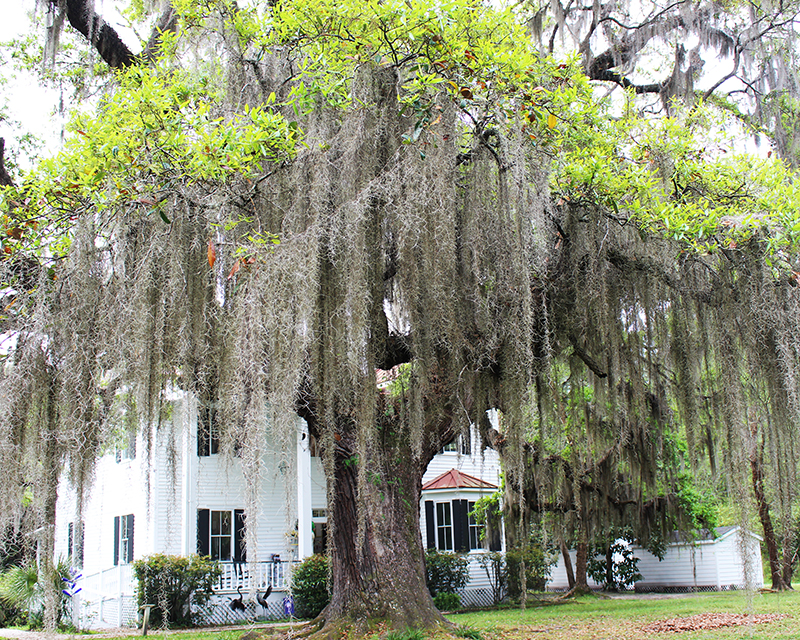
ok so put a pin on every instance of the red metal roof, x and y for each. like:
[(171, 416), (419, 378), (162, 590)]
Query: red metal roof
[(455, 479)]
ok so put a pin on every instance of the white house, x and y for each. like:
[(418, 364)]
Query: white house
[(186, 498), (728, 559)]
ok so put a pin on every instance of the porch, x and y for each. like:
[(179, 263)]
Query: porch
[(107, 599)]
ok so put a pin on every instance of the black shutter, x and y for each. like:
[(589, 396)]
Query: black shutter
[(78, 561), (70, 540), (494, 536), (430, 524), (239, 549), (203, 435), (460, 525), (203, 532), (130, 538), (116, 540)]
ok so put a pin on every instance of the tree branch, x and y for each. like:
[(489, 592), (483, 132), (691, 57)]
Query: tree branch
[(105, 39), (99, 33)]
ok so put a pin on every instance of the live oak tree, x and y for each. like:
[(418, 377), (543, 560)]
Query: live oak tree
[(274, 203), (202, 248)]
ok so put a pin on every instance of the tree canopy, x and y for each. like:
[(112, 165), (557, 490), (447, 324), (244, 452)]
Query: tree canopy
[(270, 203)]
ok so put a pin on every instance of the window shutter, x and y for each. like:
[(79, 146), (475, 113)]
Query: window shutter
[(460, 525), (430, 525), (70, 541), (203, 532), (78, 560), (203, 436), (116, 540), (239, 549), (130, 538), (494, 537)]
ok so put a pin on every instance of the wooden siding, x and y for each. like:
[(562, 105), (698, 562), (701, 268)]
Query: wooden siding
[(707, 564)]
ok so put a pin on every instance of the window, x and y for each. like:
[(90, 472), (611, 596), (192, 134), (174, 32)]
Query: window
[(126, 449), (460, 445), (220, 534), (475, 529), (450, 527), (75, 543), (444, 527), (123, 539), (207, 431)]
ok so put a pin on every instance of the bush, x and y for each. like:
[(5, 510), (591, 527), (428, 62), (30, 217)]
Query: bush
[(624, 566), (22, 595), (173, 584), (445, 572), (447, 601), (536, 569), (310, 586)]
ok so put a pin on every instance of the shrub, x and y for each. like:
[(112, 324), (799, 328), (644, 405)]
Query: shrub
[(536, 569), (447, 601), (173, 584), (624, 566), (494, 564), (445, 572), (310, 586), (22, 594)]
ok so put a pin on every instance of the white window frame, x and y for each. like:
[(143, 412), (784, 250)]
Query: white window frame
[(444, 529), (215, 551)]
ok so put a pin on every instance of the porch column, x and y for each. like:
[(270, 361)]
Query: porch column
[(305, 541), (188, 416)]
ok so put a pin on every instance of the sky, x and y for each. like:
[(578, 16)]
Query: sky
[(28, 102), (35, 107)]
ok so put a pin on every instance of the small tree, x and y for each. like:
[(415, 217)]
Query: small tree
[(615, 566), (494, 564), (536, 569), (173, 584)]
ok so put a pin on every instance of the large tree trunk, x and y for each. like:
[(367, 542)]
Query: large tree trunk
[(378, 567), (756, 468)]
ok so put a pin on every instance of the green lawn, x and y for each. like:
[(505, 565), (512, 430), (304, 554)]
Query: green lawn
[(596, 617), (593, 617)]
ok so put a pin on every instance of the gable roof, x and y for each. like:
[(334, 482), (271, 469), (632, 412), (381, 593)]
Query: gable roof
[(455, 479), (704, 536)]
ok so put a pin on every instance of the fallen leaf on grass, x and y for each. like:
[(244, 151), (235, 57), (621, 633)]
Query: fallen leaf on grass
[(710, 621)]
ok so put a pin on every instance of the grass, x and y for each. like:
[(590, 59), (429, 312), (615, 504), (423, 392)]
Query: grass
[(595, 617)]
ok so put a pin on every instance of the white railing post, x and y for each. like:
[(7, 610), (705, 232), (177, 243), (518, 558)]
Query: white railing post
[(102, 598), (119, 595)]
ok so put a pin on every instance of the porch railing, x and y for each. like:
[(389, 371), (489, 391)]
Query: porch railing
[(258, 575)]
